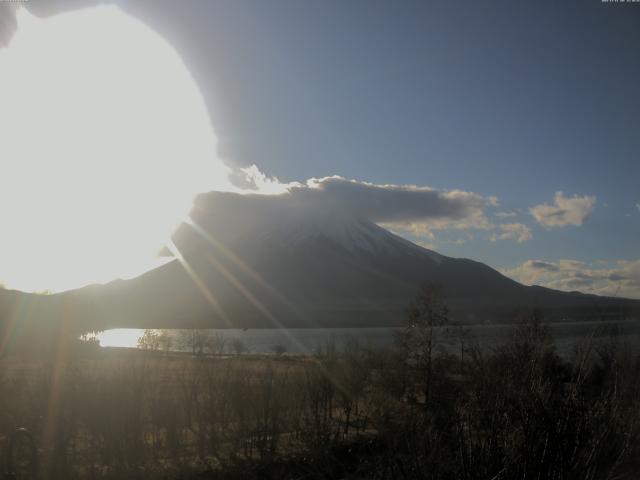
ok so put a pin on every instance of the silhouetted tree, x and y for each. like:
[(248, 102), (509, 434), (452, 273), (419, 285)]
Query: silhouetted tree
[(423, 333), (150, 340), (165, 340), (195, 340), (238, 346)]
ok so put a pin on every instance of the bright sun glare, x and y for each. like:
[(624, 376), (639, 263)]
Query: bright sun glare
[(104, 141)]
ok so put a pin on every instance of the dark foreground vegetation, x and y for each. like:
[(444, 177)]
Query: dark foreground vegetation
[(416, 411)]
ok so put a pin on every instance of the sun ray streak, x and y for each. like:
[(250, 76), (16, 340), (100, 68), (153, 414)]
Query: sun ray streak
[(253, 299), (14, 319), (199, 283), (91, 152), (254, 275), (58, 367), (219, 246)]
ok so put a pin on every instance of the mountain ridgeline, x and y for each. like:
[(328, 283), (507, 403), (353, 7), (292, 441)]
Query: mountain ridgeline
[(252, 261)]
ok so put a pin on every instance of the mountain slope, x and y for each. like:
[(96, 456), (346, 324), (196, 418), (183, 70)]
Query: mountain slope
[(246, 263)]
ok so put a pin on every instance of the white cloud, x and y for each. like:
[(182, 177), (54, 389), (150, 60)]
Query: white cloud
[(403, 204), (512, 231), (505, 214), (564, 211), (251, 179), (459, 241), (410, 209), (638, 206), (427, 245), (620, 278)]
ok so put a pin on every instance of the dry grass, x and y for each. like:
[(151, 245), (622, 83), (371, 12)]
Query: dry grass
[(517, 412)]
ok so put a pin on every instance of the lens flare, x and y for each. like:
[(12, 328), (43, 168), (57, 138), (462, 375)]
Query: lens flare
[(104, 140)]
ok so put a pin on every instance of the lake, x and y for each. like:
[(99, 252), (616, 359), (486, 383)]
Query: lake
[(302, 341)]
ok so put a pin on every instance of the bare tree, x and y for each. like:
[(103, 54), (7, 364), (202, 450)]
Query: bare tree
[(165, 340), (217, 343), (150, 340), (238, 346), (195, 340), (460, 334), (423, 333)]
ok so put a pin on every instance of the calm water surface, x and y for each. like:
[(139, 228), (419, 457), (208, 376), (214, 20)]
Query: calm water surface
[(308, 340)]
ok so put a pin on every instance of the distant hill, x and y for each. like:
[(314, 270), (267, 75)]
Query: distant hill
[(247, 264)]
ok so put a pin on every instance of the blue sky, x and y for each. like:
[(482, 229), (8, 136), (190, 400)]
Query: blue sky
[(517, 100), (514, 101)]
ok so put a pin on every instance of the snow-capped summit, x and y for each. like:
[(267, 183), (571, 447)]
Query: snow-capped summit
[(339, 228), (294, 225)]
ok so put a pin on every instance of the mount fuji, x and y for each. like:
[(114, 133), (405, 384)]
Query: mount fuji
[(255, 261)]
